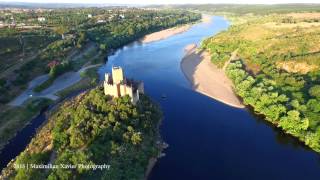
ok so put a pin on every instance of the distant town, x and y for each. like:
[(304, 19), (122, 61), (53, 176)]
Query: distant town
[(41, 18)]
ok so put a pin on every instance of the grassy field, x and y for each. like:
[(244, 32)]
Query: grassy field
[(279, 38)]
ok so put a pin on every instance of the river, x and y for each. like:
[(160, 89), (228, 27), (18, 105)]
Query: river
[(207, 139)]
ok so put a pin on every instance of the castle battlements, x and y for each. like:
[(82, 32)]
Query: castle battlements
[(117, 85)]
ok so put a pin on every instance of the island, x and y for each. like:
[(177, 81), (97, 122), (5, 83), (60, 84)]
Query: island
[(113, 135)]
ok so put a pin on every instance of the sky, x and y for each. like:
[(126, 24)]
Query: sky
[(168, 1)]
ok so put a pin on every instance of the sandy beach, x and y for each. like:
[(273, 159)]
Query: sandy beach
[(164, 33), (206, 78), (160, 35), (206, 18)]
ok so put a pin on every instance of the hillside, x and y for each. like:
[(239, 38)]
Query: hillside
[(92, 129), (278, 69)]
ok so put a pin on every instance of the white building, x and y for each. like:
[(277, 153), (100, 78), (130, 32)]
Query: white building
[(101, 21), (41, 19)]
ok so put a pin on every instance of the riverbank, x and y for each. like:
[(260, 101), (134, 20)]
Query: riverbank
[(206, 19), (160, 35), (164, 34), (206, 78), (161, 145)]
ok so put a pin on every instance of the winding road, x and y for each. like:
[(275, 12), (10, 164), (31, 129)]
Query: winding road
[(62, 82)]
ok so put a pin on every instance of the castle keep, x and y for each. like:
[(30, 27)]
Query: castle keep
[(117, 85)]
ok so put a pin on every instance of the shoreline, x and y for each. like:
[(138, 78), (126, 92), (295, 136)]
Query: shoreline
[(206, 78), (161, 145), (164, 34), (206, 19)]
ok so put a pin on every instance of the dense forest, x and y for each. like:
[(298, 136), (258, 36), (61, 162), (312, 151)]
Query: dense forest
[(93, 129), (278, 71)]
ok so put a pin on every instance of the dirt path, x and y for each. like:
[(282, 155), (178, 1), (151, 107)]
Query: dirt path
[(234, 56)]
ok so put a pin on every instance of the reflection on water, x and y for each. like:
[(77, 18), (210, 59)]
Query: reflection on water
[(209, 140)]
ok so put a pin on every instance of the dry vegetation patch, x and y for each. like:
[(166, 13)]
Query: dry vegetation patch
[(308, 15), (276, 25), (296, 67), (255, 33)]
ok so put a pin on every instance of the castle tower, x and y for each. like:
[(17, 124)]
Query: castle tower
[(117, 75), (117, 85)]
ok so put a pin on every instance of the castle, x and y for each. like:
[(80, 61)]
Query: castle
[(117, 85)]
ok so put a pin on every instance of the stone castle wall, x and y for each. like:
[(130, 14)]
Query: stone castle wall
[(110, 89), (117, 75)]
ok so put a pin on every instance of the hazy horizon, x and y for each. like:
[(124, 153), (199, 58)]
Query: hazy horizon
[(146, 2)]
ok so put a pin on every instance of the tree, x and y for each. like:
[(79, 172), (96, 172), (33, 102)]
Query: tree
[(30, 173), (61, 30), (136, 138), (103, 47), (81, 39), (293, 122), (314, 105), (315, 91)]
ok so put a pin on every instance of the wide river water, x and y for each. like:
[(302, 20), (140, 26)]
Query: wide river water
[(208, 139)]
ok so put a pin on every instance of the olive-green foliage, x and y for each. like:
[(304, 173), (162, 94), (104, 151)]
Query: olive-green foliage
[(22, 42), (279, 106), (287, 97), (266, 37), (96, 129), (117, 32), (24, 172), (315, 91)]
